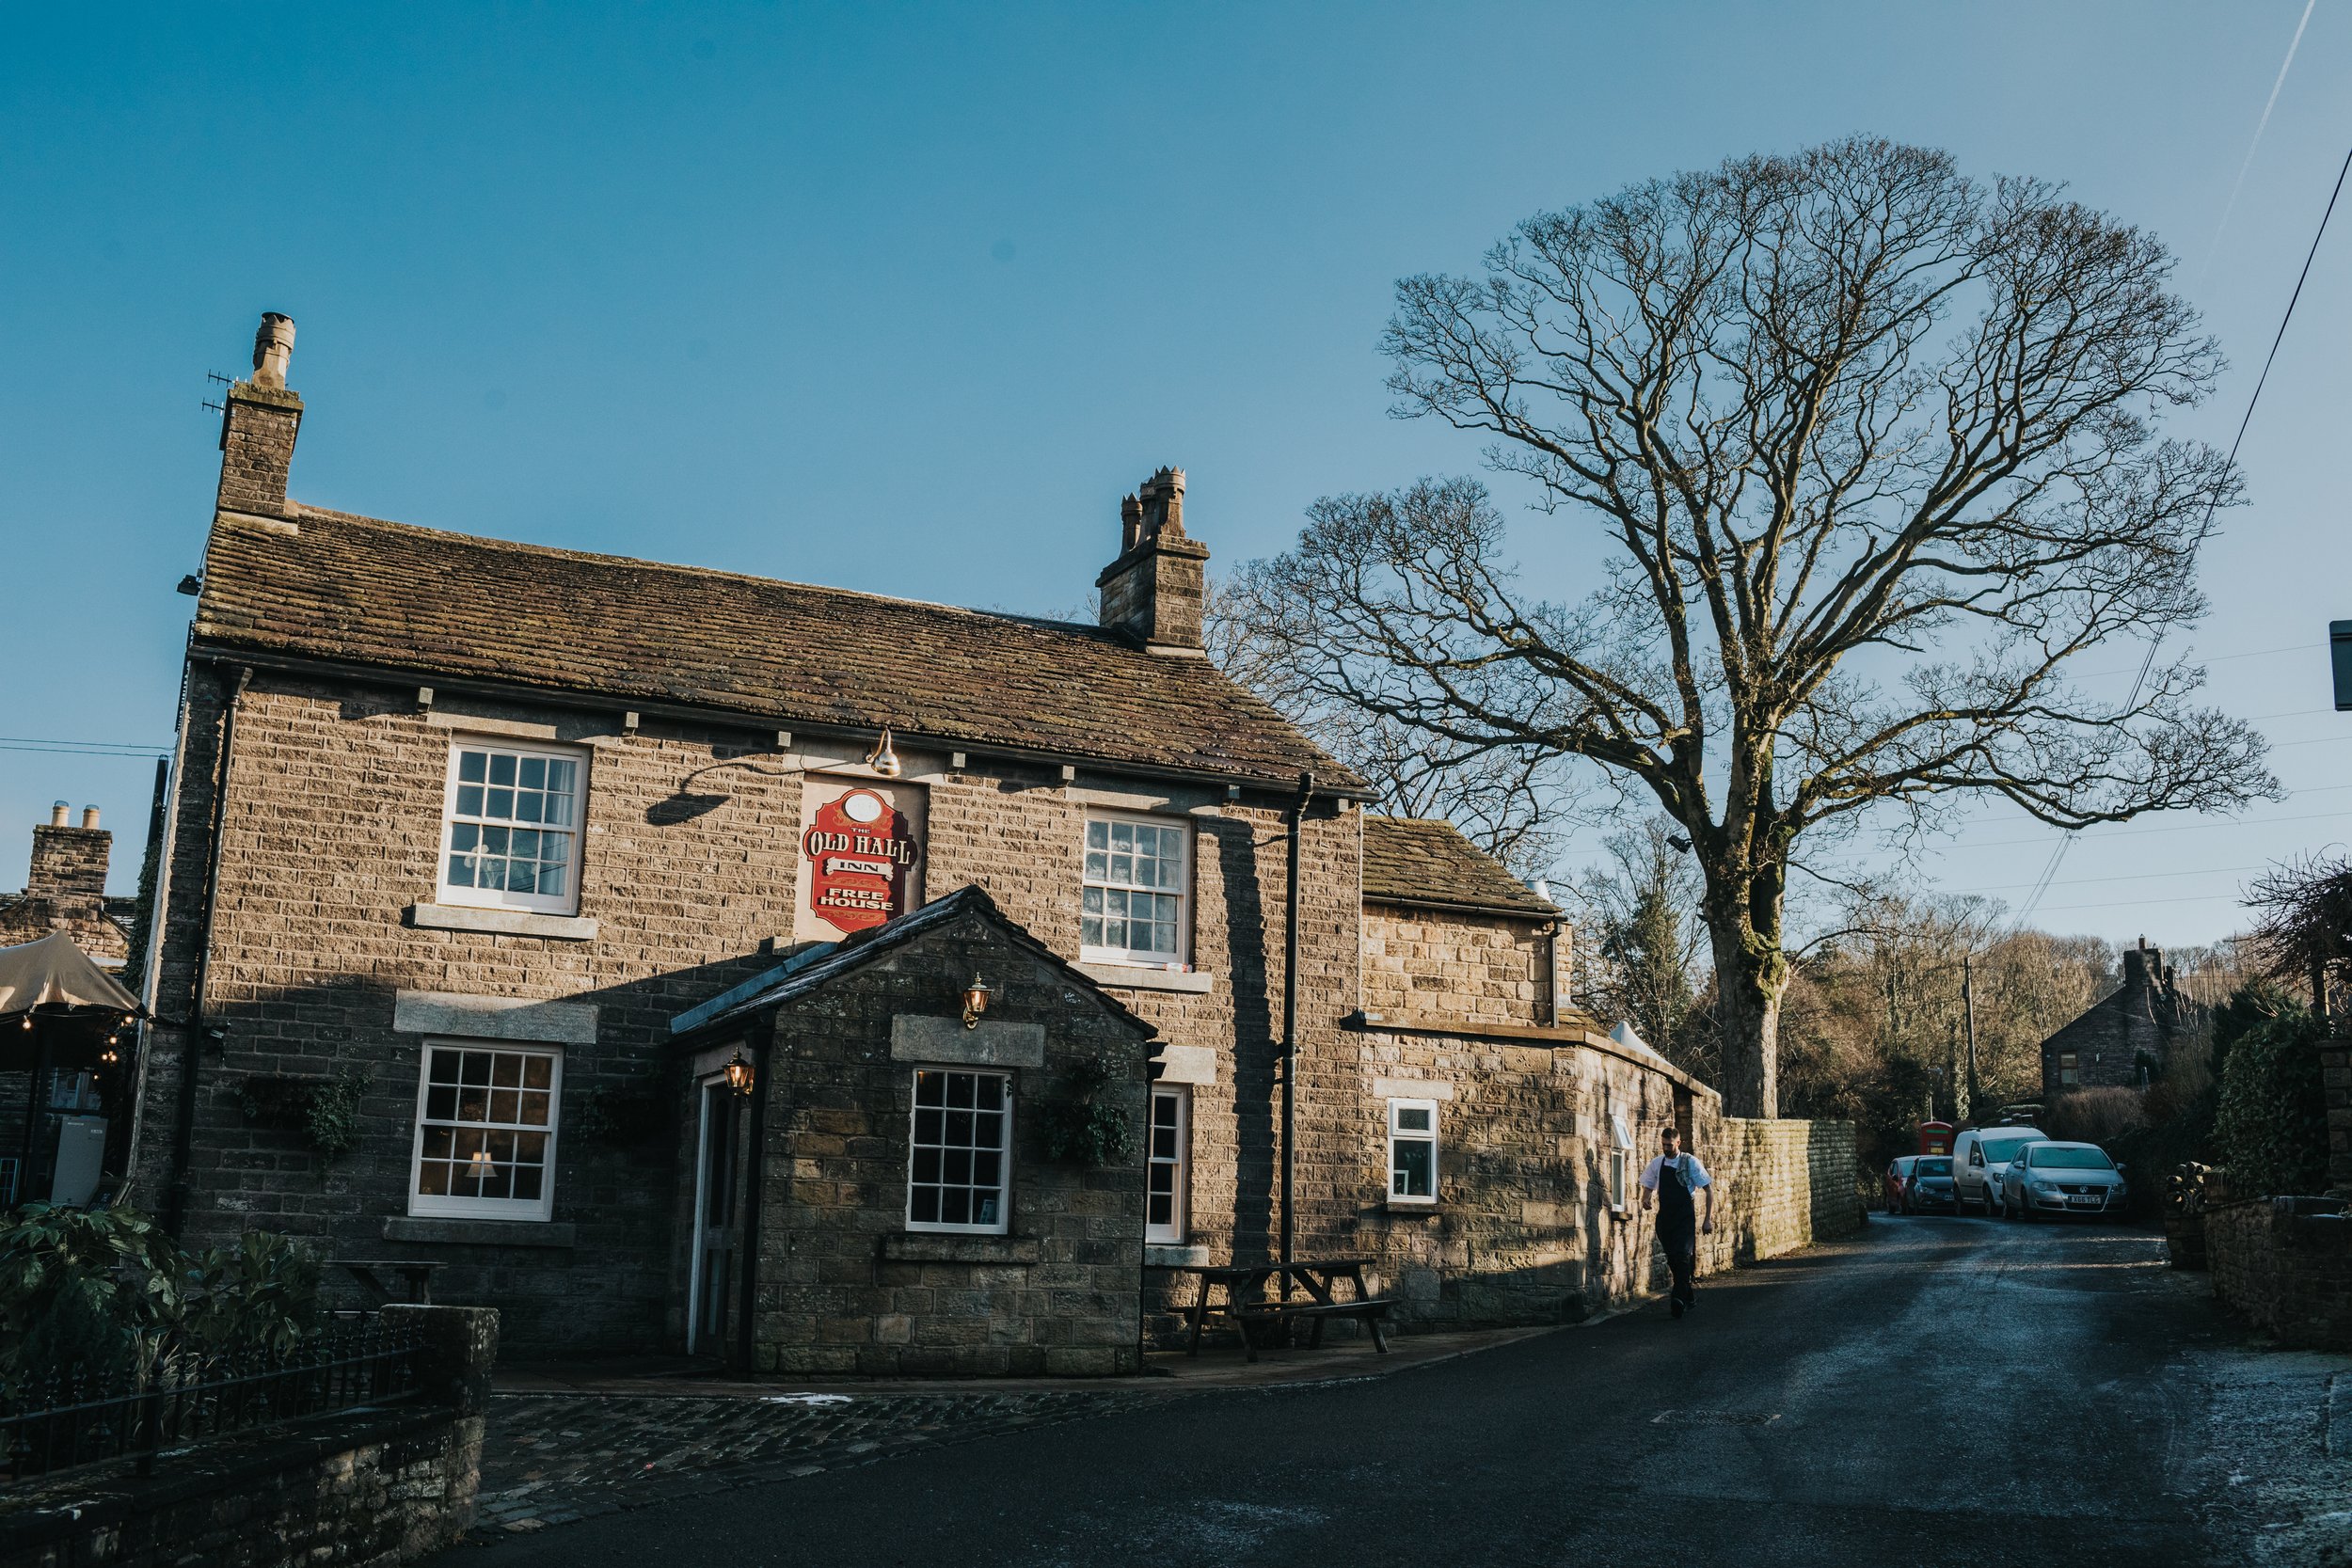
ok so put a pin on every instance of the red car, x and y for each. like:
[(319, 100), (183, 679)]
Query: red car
[(1916, 1183)]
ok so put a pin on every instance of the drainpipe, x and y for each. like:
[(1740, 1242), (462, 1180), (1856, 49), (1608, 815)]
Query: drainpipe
[(1290, 1023), (754, 1177), (192, 1041)]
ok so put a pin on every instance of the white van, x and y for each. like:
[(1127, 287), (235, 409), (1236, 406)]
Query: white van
[(1980, 1156)]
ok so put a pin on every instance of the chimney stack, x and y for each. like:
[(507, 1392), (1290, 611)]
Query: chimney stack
[(258, 428), (69, 861), (1157, 589)]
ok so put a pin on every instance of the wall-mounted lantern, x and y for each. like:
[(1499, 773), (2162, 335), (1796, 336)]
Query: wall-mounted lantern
[(975, 997), (739, 1072), (882, 760)]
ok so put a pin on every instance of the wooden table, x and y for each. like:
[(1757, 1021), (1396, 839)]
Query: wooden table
[(1246, 1301)]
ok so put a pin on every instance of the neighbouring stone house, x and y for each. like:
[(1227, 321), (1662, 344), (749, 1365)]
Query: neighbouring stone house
[(677, 958), (2122, 1039)]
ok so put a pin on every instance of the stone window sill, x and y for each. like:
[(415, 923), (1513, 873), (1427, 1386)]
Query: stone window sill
[(1166, 1254), (1425, 1210), (1196, 982), (516, 923), (923, 1246), (448, 1232)]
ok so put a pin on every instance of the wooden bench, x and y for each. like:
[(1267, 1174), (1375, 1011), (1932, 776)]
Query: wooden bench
[(1369, 1312)]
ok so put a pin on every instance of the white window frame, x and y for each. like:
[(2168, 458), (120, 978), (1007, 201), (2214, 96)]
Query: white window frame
[(1398, 1133), (1620, 1163), (447, 892), (448, 1205), (1179, 1166), (1132, 958), (1003, 1222)]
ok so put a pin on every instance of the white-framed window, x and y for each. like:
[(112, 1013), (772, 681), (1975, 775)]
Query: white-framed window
[(1620, 1161), (1167, 1193), (1412, 1151), (959, 1162), (486, 1119), (510, 826), (1138, 887)]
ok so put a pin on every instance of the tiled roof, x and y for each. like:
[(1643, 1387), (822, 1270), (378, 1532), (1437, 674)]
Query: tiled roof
[(360, 591), (1415, 860)]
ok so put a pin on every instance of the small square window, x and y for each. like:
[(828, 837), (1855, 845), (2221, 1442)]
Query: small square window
[(1412, 1151)]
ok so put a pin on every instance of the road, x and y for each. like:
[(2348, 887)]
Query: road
[(1937, 1390)]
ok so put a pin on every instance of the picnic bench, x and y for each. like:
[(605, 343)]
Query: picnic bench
[(1248, 1302), (417, 1279)]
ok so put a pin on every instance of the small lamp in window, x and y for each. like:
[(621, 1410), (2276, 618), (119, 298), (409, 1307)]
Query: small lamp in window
[(478, 1170), (739, 1072), (975, 997)]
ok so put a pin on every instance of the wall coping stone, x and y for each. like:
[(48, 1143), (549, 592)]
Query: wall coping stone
[(514, 923), (925, 1246), (457, 1232)]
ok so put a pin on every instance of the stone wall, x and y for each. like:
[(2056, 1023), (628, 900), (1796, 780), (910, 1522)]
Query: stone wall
[(2285, 1263), (844, 1286), (1781, 1186), (2335, 1076), (370, 1488), (1474, 967)]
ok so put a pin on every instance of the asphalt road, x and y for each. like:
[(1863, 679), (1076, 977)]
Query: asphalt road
[(1940, 1391)]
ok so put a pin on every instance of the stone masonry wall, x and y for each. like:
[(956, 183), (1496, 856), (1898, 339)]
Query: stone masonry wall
[(1781, 1186), (1475, 968), (844, 1286), (688, 867), (2335, 1077), (372, 1489), (2285, 1263)]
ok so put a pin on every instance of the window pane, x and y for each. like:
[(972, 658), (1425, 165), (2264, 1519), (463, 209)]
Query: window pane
[(1413, 1173), (1098, 835), (1412, 1119), (926, 1164), (534, 773), (924, 1210), (470, 800), (502, 767), (991, 1094)]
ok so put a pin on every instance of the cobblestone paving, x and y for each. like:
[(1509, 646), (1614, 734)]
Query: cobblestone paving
[(548, 1459)]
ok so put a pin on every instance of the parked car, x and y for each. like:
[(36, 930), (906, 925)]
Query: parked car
[(2050, 1177), (1929, 1187), (1978, 1157), (1897, 1177)]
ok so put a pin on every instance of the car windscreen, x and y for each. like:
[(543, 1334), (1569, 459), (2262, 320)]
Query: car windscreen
[(2071, 1159), (1999, 1151), (1933, 1168)]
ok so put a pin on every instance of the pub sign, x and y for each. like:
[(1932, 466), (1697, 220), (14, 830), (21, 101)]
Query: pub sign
[(861, 855)]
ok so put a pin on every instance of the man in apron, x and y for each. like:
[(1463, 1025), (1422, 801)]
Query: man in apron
[(1671, 1180)]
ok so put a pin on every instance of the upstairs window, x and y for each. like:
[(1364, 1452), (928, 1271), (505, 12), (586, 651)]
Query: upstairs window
[(510, 828), (2069, 1069), (1412, 1151), (1137, 884)]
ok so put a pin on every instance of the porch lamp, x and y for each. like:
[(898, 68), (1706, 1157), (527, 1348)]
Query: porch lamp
[(884, 760), (975, 997), (739, 1072)]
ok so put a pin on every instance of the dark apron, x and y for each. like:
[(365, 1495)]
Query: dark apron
[(1677, 1216)]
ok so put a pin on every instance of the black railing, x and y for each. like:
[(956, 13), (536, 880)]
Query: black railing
[(57, 1419)]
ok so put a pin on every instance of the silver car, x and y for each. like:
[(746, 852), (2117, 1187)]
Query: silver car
[(2061, 1178)]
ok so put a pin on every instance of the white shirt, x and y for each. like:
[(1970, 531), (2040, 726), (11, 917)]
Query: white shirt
[(1687, 1165)]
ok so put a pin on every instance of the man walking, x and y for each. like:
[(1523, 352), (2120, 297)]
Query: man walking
[(1670, 1180)]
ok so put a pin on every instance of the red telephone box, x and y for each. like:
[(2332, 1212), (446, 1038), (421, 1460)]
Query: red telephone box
[(1935, 1137)]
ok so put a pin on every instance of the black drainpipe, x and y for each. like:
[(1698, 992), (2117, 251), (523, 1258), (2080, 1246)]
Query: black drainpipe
[(192, 1041), (754, 1175), (1290, 1022)]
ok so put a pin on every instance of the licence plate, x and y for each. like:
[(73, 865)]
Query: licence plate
[(2083, 1202)]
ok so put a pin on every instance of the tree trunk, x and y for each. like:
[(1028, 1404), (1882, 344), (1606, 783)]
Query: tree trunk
[(1751, 976)]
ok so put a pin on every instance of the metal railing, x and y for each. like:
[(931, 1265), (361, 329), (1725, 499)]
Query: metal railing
[(172, 1396)]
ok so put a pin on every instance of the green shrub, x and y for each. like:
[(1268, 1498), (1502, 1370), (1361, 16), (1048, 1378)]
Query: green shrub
[(1086, 1129), (2271, 1125)]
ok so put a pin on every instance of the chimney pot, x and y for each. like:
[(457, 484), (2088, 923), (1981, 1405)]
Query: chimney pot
[(260, 419), (1156, 590), (90, 816), (56, 814), (273, 350)]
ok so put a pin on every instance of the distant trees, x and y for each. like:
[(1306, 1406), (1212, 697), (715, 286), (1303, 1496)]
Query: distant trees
[(1642, 941), (1865, 455)]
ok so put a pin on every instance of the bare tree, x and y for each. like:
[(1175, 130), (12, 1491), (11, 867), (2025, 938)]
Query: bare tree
[(1868, 450)]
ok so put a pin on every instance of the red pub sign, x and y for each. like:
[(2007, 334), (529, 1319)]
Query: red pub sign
[(860, 851)]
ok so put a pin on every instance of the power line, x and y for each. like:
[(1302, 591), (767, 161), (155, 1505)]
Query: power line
[(81, 748)]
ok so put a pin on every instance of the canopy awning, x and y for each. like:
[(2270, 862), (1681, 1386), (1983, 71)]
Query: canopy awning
[(54, 974)]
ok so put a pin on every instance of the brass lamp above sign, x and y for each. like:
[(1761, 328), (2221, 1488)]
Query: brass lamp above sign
[(861, 855)]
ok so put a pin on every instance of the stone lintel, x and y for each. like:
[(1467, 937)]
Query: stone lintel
[(1411, 1088), (494, 1018), (914, 1037), (1185, 1064)]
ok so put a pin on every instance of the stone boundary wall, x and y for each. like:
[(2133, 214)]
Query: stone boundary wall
[(2285, 1263), (364, 1488), (1781, 1186)]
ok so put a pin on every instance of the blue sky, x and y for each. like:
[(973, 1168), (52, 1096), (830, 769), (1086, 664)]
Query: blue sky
[(903, 298)]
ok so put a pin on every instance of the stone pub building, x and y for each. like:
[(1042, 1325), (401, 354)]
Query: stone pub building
[(830, 983)]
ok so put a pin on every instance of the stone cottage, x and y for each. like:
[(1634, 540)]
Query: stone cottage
[(2122, 1039), (829, 982), (65, 890)]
